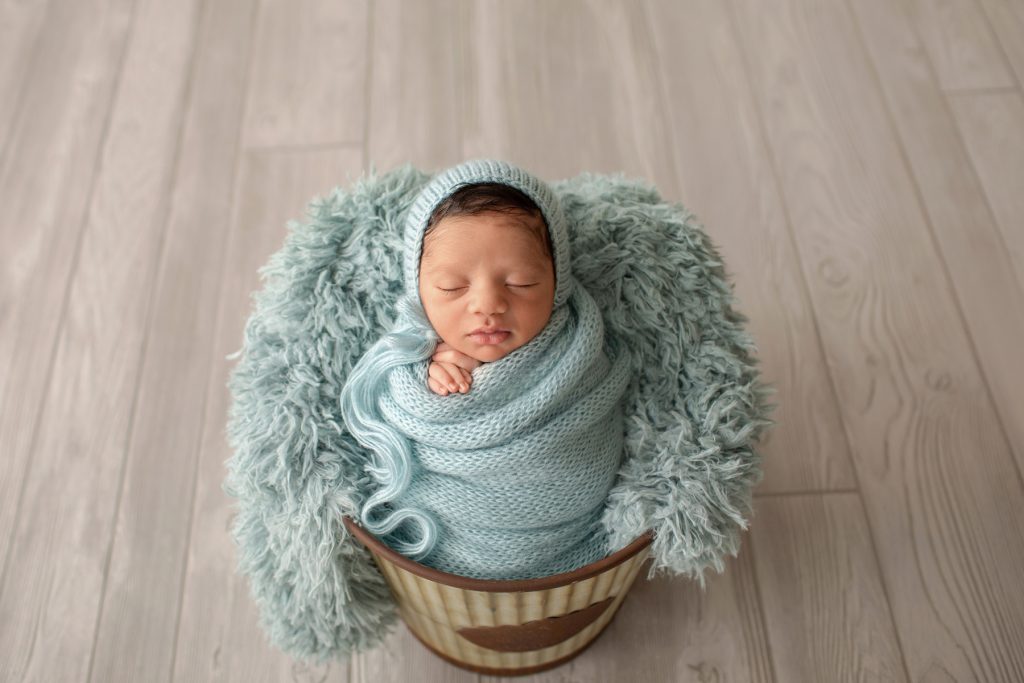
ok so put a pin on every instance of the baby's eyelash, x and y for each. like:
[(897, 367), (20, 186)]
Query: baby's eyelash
[(449, 291)]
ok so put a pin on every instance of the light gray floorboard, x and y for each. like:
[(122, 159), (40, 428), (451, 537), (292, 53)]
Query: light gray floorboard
[(938, 477), (726, 177), (1006, 19), (60, 550), (21, 24), (136, 629), (833, 624), (960, 219), (47, 175), (958, 40), (309, 70)]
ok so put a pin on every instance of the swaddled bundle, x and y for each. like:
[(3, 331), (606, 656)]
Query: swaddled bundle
[(510, 480)]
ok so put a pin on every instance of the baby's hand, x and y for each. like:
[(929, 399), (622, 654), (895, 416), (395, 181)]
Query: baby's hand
[(450, 370)]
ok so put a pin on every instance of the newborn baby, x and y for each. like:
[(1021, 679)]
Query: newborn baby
[(507, 480), (487, 280)]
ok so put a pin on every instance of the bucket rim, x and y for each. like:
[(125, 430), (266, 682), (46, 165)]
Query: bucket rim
[(381, 549)]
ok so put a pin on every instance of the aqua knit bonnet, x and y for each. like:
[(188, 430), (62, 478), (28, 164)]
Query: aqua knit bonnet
[(487, 171)]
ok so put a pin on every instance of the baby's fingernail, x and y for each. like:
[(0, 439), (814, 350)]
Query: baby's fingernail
[(464, 386)]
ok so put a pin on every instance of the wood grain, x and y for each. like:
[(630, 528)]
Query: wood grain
[(961, 46), (1006, 18), (20, 28), (46, 179), (310, 74), (552, 85), (959, 216), (726, 177), (937, 475), (416, 89), (136, 629), (828, 617), (993, 128), (64, 531)]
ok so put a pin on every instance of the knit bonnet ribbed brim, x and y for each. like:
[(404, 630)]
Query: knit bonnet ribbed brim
[(487, 171)]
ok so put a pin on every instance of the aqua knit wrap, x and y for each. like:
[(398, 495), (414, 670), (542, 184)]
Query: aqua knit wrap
[(510, 480)]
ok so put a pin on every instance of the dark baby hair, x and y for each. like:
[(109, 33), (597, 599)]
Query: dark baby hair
[(478, 198)]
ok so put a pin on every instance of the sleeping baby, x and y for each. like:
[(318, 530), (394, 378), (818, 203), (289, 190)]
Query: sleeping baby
[(487, 280), (507, 480)]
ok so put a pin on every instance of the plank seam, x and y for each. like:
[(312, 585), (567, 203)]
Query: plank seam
[(150, 314), (774, 166)]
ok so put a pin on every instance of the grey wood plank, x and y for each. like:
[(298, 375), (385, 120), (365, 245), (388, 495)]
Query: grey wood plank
[(219, 637), (309, 58), (59, 551), (46, 177), (993, 128), (991, 298), (558, 88), (136, 629), (964, 51), (1006, 18), (416, 89), (20, 26), (828, 617), (728, 180), (941, 490)]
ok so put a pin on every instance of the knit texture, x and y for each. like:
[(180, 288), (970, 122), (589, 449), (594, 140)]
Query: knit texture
[(509, 480), (693, 410)]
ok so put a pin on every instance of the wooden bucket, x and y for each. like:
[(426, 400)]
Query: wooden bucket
[(507, 627)]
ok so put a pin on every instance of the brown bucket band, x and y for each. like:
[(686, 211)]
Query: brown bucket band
[(537, 634)]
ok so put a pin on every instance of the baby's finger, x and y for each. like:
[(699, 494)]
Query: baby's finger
[(446, 374), (439, 374), (436, 387), (458, 382)]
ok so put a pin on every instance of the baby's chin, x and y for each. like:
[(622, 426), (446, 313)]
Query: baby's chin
[(489, 354)]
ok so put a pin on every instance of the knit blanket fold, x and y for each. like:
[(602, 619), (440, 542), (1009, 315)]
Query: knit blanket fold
[(508, 481)]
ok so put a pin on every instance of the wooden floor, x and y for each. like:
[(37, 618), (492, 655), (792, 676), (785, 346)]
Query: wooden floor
[(860, 164)]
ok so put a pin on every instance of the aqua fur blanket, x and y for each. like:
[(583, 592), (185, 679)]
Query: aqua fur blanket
[(693, 407)]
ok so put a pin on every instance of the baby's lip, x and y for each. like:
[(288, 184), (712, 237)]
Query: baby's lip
[(488, 330)]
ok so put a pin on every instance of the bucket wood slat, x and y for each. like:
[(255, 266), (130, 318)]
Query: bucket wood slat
[(509, 627)]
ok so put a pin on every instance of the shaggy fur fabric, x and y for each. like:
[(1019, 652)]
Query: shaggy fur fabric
[(694, 409)]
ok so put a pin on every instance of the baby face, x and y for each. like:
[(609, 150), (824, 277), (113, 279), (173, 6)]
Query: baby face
[(486, 272)]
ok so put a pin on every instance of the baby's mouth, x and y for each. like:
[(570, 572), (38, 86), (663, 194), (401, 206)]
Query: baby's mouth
[(495, 336)]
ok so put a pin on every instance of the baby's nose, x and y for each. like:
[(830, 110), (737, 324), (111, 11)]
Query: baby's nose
[(489, 301)]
